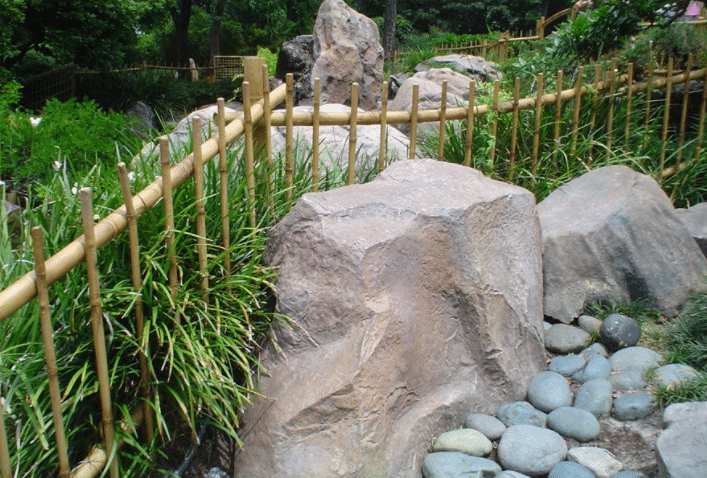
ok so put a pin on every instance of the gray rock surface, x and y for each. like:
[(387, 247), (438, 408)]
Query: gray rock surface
[(575, 423), (566, 339), (627, 379), (548, 391), (629, 474), (512, 474), (597, 367), (612, 234), (633, 406), (618, 331), (449, 464), (347, 49), (675, 374), (682, 447), (639, 358), (568, 469), (595, 397), (296, 56), (594, 350), (589, 324), (600, 462), (429, 256), (473, 66), (491, 427), (464, 440), (695, 220), (567, 365), (531, 450), (521, 413)]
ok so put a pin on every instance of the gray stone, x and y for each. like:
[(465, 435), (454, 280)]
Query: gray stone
[(597, 367), (145, 114), (675, 374), (372, 275), (512, 474), (296, 56), (567, 469), (216, 472), (619, 331), (600, 462), (627, 379), (633, 406), (548, 391), (639, 358), (491, 427), (682, 447), (565, 339), (575, 423), (464, 440), (521, 413), (566, 365), (589, 324), (474, 66), (695, 220), (531, 450), (546, 325), (595, 397), (613, 235), (347, 49), (594, 350), (450, 464), (629, 474)]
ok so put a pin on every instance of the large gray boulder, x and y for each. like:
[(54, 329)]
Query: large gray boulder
[(695, 219), (297, 57), (473, 66), (682, 447), (415, 300), (613, 235), (347, 49)]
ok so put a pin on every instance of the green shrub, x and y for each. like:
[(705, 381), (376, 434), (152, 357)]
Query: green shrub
[(678, 40), (688, 334), (270, 59)]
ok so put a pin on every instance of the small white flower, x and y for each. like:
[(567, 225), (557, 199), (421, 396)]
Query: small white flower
[(57, 165), (2, 183), (75, 188), (35, 121), (131, 175), (96, 217)]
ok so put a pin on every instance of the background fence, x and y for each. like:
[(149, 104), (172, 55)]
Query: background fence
[(554, 119)]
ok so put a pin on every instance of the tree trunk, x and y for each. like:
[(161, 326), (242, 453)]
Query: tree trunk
[(181, 15), (389, 15)]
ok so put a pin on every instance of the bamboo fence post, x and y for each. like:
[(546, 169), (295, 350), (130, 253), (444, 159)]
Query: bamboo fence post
[(199, 199), (49, 352), (315, 136), (5, 463), (384, 127), (595, 101), (267, 114), (514, 129), (494, 121), (249, 153), (442, 121), (685, 97), (648, 100), (289, 166), (99, 339), (610, 122), (223, 183), (136, 276), (577, 107), (351, 176), (558, 113), (470, 124), (413, 121), (538, 115), (629, 98), (484, 48), (703, 111), (169, 221), (666, 114)]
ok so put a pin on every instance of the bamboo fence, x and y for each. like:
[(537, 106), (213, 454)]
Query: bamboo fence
[(254, 125)]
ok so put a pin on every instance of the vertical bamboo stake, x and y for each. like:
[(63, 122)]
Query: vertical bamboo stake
[(666, 114), (353, 121), (595, 101), (99, 339), (538, 114), (470, 124), (199, 198), (413, 121), (610, 122), (223, 186), (249, 159), (5, 463), (49, 352), (315, 137), (494, 121), (558, 113), (648, 99), (703, 111), (685, 96), (442, 121), (267, 112), (384, 127), (136, 275), (577, 107), (629, 98), (484, 48), (514, 129), (289, 165), (169, 220)]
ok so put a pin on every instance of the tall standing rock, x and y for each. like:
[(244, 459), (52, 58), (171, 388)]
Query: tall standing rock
[(416, 300), (347, 49)]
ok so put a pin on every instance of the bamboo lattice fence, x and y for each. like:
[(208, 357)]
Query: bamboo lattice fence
[(254, 125)]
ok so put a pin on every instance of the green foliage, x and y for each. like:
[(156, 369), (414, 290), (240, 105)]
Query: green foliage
[(270, 59), (688, 334), (678, 40)]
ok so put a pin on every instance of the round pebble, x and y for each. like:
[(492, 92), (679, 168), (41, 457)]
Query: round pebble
[(566, 365), (548, 391), (444, 464), (674, 374), (567, 469), (597, 367), (633, 406), (565, 339), (464, 440), (595, 397), (639, 358), (512, 474), (491, 427), (575, 423), (596, 349), (627, 379), (597, 460), (521, 413), (589, 324), (531, 450), (546, 325), (629, 474), (618, 331)]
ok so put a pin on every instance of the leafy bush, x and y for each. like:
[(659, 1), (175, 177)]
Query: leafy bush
[(270, 59), (688, 334), (678, 40)]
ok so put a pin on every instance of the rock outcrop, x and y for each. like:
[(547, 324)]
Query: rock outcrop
[(682, 447), (695, 219), (415, 300), (473, 66), (297, 57)]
